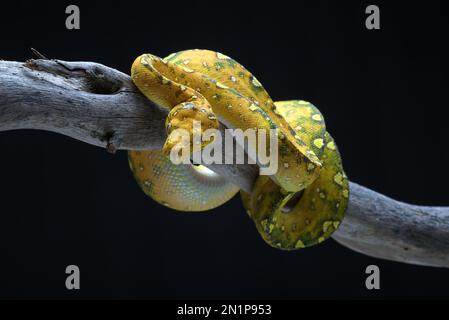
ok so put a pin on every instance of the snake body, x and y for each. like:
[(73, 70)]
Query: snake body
[(300, 205)]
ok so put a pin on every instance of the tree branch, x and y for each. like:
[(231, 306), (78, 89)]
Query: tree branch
[(100, 106)]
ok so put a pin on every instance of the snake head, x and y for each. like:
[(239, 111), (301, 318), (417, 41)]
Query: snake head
[(186, 124)]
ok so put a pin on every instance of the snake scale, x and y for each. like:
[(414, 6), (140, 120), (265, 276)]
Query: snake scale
[(302, 204)]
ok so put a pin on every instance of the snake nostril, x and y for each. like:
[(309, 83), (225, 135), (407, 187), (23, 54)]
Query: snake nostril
[(291, 204)]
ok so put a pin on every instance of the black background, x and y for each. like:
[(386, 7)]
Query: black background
[(384, 95)]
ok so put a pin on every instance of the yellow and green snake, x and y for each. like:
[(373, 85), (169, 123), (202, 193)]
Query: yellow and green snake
[(299, 206)]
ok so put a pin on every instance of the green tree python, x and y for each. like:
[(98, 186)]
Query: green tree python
[(302, 204)]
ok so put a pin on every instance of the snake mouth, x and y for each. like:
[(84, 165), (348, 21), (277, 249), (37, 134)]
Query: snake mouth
[(294, 200)]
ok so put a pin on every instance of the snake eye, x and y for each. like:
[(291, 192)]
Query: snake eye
[(291, 204)]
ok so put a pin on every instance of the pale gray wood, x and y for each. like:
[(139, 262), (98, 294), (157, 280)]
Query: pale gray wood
[(100, 106), (385, 228)]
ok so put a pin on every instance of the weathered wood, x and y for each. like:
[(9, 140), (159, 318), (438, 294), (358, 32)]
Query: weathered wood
[(100, 106), (385, 228), (89, 102)]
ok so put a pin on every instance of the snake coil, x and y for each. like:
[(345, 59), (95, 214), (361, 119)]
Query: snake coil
[(302, 204)]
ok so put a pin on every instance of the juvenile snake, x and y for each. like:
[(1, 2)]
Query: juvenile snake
[(299, 206)]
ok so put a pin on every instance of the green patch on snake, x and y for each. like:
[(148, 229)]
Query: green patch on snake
[(232, 63), (256, 86), (219, 65)]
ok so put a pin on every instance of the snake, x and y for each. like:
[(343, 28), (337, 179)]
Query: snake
[(300, 205)]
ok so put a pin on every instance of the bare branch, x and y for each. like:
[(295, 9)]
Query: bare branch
[(100, 106), (385, 228)]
